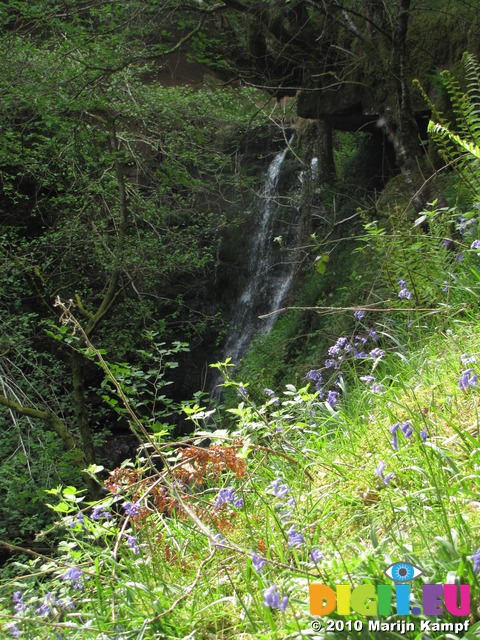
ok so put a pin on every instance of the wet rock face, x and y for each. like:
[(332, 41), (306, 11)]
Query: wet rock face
[(117, 449)]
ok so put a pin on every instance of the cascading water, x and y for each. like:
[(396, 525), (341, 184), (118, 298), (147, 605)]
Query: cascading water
[(270, 271)]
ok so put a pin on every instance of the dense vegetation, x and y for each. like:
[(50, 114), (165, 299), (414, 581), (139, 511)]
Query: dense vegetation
[(347, 438)]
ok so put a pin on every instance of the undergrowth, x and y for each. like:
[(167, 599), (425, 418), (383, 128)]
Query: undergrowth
[(371, 461)]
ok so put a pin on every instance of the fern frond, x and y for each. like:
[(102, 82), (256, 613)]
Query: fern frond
[(468, 145)]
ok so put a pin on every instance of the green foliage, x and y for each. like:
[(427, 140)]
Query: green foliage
[(459, 141)]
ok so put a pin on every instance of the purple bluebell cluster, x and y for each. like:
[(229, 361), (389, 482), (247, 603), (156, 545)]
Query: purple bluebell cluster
[(271, 394), (80, 519), (447, 243), (279, 490), (14, 630), (74, 576), (44, 610), (19, 605), (132, 509), (315, 375), (359, 315), (332, 398), (99, 512), (466, 359), (370, 381), (132, 542), (404, 292), (468, 378), (272, 598), (258, 562), (407, 430), (242, 393), (379, 472), (228, 496), (316, 555), (465, 226), (475, 246), (294, 537)]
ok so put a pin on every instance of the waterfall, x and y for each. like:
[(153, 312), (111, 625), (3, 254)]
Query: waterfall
[(270, 271)]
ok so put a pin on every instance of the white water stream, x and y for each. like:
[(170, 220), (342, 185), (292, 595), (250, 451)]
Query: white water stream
[(270, 271)]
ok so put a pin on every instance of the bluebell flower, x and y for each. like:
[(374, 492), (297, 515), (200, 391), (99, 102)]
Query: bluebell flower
[(99, 512), (376, 353), (332, 398), (359, 315), (331, 362), (225, 496), (19, 604), (466, 381), (367, 379), (406, 429), (279, 490), (132, 542), (466, 359), (476, 561), (272, 598), (119, 629), (46, 607), (271, 394), (242, 393), (132, 509), (74, 575), (393, 430), (258, 562), (377, 387), (294, 537), (423, 435), (373, 335), (315, 375), (219, 541), (404, 292), (465, 225), (446, 243), (80, 519), (475, 245), (379, 472), (291, 502), (446, 288), (459, 257), (282, 491), (14, 630), (68, 605), (316, 555)]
